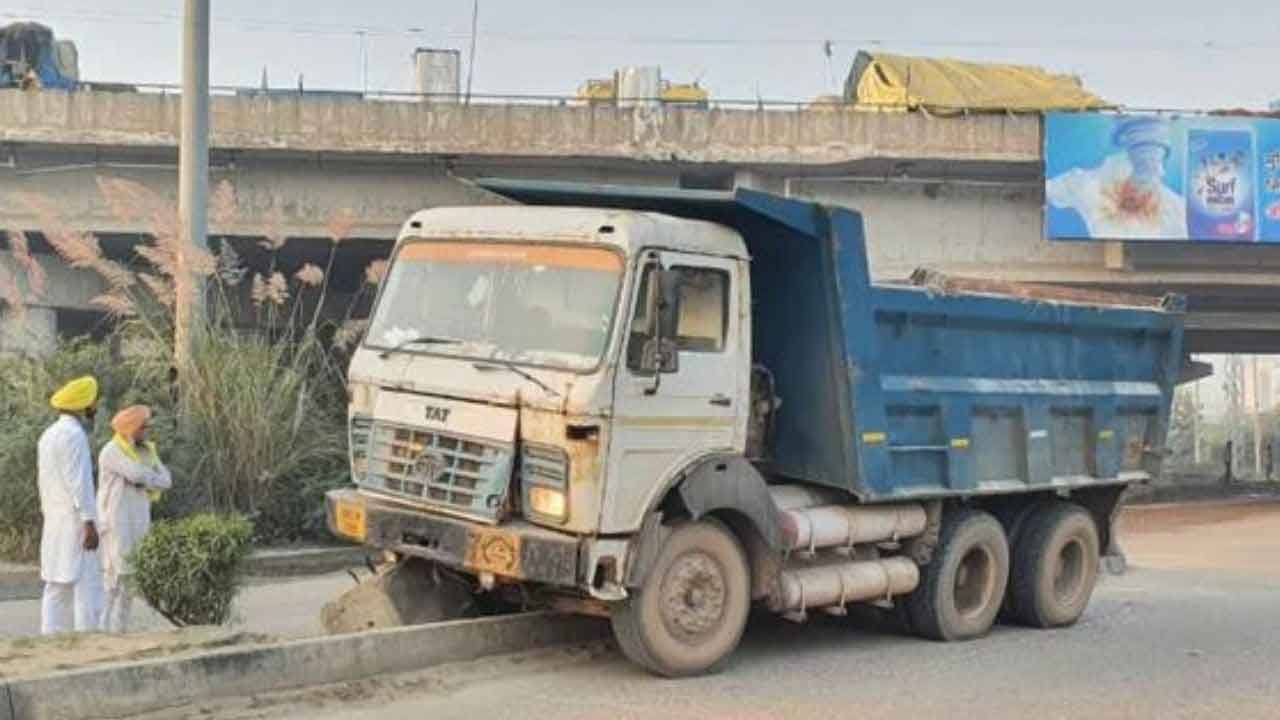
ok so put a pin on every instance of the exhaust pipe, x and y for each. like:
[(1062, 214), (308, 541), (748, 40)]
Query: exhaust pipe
[(848, 525), (842, 583)]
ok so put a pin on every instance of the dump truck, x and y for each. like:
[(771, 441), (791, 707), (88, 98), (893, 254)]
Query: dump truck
[(667, 407)]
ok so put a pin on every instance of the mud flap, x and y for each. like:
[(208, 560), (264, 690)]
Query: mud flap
[(410, 592)]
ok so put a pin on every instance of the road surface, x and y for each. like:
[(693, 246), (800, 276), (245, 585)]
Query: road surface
[(1192, 631)]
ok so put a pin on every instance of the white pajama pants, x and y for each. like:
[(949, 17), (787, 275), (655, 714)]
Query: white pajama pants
[(75, 605), (119, 605)]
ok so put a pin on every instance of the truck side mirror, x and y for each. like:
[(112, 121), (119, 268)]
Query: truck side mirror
[(660, 354)]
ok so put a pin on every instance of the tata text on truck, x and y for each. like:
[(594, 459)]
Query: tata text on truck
[(668, 406)]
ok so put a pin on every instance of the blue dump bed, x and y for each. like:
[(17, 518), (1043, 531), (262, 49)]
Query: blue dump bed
[(933, 388)]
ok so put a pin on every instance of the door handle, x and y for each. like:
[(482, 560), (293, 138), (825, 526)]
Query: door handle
[(721, 400)]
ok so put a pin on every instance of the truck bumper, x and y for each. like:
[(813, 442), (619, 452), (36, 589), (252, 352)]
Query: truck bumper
[(513, 550)]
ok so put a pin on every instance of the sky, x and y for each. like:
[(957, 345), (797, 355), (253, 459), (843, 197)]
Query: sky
[(1140, 53)]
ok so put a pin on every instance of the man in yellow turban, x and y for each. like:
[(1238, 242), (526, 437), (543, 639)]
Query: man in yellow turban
[(130, 471), (69, 536)]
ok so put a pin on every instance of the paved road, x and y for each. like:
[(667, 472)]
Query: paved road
[(1193, 631)]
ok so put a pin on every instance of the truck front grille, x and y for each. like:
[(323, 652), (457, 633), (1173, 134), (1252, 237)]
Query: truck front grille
[(465, 475)]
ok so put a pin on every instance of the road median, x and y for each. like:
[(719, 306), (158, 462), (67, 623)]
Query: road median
[(126, 689), (22, 582)]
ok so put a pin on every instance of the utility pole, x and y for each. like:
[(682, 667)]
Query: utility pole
[(193, 174), (364, 61), (471, 56)]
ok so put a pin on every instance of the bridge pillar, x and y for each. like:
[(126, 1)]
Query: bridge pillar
[(34, 333)]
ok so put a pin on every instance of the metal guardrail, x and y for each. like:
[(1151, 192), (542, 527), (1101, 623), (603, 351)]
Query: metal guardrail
[(528, 99), (552, 100)]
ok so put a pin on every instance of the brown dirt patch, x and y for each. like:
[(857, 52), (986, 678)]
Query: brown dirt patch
[(32, 656)]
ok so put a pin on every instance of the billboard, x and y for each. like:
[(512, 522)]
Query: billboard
[(1180, 178)]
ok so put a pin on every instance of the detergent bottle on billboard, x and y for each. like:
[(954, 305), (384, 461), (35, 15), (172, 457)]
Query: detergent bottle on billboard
[(1221, 197)]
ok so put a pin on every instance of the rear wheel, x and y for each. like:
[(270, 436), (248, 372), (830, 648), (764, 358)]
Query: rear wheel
[(961, 590), (689, 614), (1055, 566)]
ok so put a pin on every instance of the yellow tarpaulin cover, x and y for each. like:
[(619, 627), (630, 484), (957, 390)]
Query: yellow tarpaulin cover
[(910, 83)]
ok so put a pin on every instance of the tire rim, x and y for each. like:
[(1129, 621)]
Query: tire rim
[(1069, 571), (693, 595), (975, 582)]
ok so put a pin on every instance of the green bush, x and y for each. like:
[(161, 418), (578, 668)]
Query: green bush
[(190, 570)]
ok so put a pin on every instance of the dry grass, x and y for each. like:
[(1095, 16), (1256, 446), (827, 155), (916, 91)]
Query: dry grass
[(310, 275), (257, 423), (80, 249), (20, 246), (340, 225), (11, 293)]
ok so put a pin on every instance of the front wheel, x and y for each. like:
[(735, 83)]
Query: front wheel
[(691, 610)]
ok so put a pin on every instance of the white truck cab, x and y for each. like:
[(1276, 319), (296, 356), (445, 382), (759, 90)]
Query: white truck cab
[(511, 376)]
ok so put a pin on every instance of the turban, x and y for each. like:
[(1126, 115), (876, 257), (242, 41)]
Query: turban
[(130, 420), (76, 396), (1136, 132)]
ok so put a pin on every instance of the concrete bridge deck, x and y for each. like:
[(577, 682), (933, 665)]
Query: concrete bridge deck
[(957, 194), (304, 124)]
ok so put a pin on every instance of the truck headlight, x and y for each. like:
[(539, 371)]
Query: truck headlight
[(548, 503), (544, 474)]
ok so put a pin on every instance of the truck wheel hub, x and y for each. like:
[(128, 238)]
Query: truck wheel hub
[(693, 595)]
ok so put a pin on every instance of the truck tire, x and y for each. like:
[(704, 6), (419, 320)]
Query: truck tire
[(1055, 567), (962, 589), (688, 615)]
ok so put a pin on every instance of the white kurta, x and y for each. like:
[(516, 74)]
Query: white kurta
[(124, 510), (65, 469)]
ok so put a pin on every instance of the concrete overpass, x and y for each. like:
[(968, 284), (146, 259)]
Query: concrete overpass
[(960, 194)]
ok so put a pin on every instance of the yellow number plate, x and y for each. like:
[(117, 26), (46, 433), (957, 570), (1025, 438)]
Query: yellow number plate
[(350, 520), (494, 551)]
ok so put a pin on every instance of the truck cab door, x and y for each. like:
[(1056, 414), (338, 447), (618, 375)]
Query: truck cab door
[(697, 404)]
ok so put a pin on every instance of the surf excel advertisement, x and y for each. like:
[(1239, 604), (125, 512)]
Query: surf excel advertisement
[(1176, 178)]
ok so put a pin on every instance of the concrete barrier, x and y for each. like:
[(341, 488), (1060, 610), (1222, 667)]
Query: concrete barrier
[(126, 689), (306, 561)]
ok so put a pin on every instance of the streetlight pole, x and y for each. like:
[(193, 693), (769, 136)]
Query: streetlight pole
[(193, 174), (471, 56), (364, 61)]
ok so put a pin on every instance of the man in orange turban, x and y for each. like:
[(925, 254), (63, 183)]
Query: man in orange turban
[(69, 535), (129, 472)]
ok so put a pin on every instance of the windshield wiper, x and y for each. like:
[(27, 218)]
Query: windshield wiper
[(419, 340), (495, 364)]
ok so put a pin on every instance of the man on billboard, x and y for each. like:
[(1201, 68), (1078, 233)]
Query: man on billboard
[(1126, 197)]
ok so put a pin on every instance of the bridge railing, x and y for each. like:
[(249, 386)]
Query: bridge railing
[(533, 99)]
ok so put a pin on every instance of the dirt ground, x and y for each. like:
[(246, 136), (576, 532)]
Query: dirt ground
[(31, 656), (1204, 536)]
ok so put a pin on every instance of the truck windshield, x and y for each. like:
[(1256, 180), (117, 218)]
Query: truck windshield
[(536, 304)]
